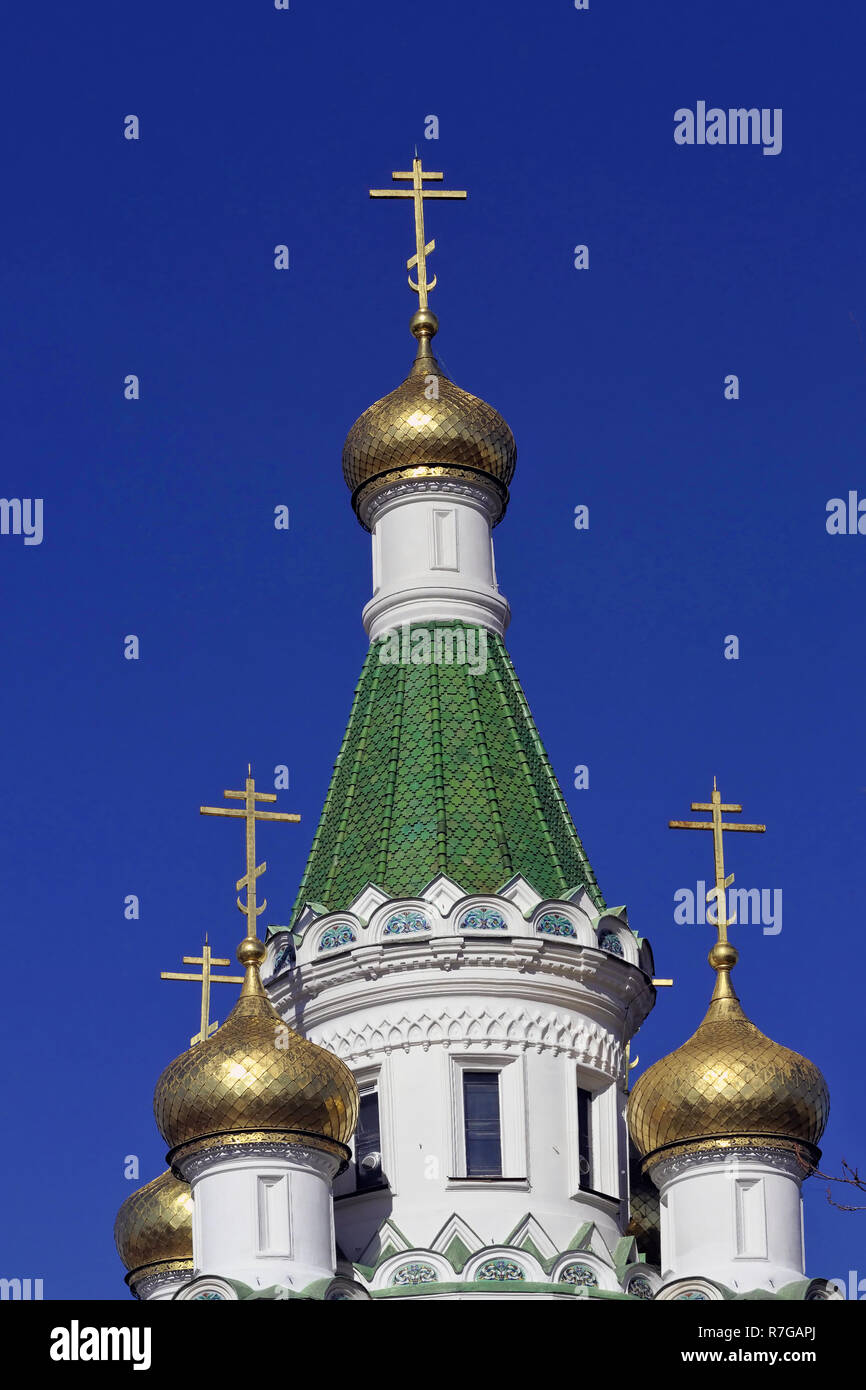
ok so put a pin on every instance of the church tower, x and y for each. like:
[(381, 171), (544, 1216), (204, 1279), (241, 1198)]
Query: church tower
[(256, 1120), (422, 1091), (451, 943), (728, 1128)]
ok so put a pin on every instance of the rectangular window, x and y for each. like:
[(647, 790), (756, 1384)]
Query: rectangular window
[(482, 1124), (584, 1137), (368, 1144)]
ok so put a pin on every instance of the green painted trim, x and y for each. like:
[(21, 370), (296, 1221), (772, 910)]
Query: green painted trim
[(457, 1253), (625, 1253), (502, 1286), (580, 1236)]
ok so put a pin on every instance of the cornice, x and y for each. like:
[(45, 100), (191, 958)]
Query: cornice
[(581, 980), (767, 1150), (325, 1156), (377, 494), (146, 1282), (428, 603)]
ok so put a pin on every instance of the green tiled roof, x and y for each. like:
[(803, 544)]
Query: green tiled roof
[(442, 770)]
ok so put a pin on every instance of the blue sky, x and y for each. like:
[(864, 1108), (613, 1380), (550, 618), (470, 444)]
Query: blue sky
[(707, 516)]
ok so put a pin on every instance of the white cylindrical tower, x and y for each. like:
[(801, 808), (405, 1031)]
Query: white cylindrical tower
[(728, 1127), (489, 1057), (257, 1120), (453, 945), (429, 467)]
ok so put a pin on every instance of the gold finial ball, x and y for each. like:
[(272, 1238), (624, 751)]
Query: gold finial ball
[(424, 321), (723, 956), (251, 951)]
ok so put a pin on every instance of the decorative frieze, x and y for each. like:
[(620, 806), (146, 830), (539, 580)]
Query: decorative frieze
[(501, 1029)]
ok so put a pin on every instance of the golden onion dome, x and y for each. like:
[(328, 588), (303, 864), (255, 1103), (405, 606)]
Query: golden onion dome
[(728, 1085), (256, 1075), (426, 431), (153, 1230)]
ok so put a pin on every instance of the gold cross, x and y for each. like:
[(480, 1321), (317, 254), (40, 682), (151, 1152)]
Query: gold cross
[(250, 796), (205, 960), (422, 248), (718, 826)]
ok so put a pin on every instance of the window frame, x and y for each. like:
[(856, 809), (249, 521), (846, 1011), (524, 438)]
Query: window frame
[(514, 1148), (604, 1131), (375, 1077)]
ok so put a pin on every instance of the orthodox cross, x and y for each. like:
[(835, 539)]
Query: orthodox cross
[(418, 192), (205, 960), (250, 796), (718, 826)]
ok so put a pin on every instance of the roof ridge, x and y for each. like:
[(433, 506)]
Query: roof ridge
[(521, 753), (300, 899), (352, 783), (393, 765), (487, 767), (438, 773), (592, 883)]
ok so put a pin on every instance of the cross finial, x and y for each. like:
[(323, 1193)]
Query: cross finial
[(250, 796), (418, 192), (718, 826), (206, 961)]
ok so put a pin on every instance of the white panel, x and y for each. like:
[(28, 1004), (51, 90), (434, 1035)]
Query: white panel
[(272, 1193), (751, 1218), (444, 550), (666, 1236), (377, 562)]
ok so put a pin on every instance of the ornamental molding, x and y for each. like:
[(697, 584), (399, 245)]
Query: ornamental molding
[(431, 603), (532, 972), (509, 1030), (423, 1267), (695, 1288), (527, 1254), (206, 1287), (194, 1165), (448, 912), (149, 1285), (780, 1157), (487, 499)]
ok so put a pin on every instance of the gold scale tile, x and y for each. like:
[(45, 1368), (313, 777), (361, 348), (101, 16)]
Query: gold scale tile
[(728, 1079), (405, 431), (241, 1080), (154, 1224)]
